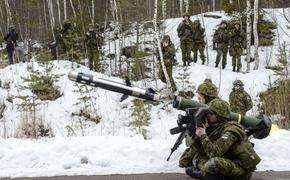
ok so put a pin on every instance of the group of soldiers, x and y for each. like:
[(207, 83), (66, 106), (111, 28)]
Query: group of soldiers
[(69, 45), (221, 150), (225, 39)]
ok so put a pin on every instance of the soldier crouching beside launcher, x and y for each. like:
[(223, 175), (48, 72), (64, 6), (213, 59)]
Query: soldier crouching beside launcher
[(229, 150)]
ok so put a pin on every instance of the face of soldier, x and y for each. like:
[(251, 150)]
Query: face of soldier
[(211, 118), (237, 87), (237, 26), (185, 18), (201, 98), (165, 44), (223, 25)]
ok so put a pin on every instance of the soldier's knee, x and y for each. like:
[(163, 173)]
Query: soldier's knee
[(211, 166)]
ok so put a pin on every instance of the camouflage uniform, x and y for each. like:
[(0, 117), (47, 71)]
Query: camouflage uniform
[(220, 43), (11, 42), (198, 41), (94, 44), (185, 34), (240, 100), (168, 52), (68, 37), (208, 89), (224, 150), (236, 47)]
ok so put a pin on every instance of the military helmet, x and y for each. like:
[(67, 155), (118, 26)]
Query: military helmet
[(197, 21), (11, 27), (166, 37), (186, 14), (207, 80), (238, 83), (224, 22), (207, 89), (220, 108), (66, 24)]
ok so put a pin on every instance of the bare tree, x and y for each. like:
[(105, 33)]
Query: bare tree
[(256, 36), (64, 9), (9, 17), (159, 48), (93, 12), (59, 14), (164, 4), (73, 8), (249, 33), (51, 16), (186, 2), (181, 7)]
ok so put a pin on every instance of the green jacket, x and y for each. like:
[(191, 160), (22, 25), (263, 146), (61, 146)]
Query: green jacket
[(184, 31), (221, 36), (198, 34), (228, 140), (93, 41), (236, 39), (240, 101)]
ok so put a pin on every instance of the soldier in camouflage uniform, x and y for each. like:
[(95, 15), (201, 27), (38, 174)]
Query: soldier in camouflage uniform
[(94, 44), (11, 39), (220, 43), (185, 34), (67, 40), (207, 92), (236, 46), (198, 41), (223, 149), (240, 100), (168, 52)]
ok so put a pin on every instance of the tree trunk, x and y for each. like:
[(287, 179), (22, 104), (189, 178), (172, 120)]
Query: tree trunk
[(249, 33), (159, 48), (186, 2), (256, 36), (73, 8), (51, 16), (59, 14), (9, 17), (93, 12), (181, 7), (64, 9), (164, 12)]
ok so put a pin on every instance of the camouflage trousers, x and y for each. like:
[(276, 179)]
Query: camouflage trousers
[(236, 54), (186, 48), (221, 53), (94, 63), (169, 67), (225, 167), (198, 47)]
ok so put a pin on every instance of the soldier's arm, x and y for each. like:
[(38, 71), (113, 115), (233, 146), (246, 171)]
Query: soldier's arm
[(248, 102), (220, 146)]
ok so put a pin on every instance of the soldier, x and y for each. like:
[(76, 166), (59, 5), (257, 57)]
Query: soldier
[(168, 52), (66, 40), (185, 34), (11, 42), (198, 41), (223, 150), (94, 43), (236, 46), (220, 43), (240, 100), (207, 92)]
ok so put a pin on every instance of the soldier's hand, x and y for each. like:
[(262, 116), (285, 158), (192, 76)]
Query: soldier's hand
[(200, 131), (214, 46)]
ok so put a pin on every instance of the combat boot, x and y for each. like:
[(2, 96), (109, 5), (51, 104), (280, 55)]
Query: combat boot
[(184, 63), (193, 172), (216, 65), (234, 68), (203, 62), (224, 66), (238, 70)]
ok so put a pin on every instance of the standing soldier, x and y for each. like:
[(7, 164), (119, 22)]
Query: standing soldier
[(67, 41), (185, 34), (240, 100), (168, 52), (94, 43), (11, 42), (198, 41), (236, 46), (220, 43)]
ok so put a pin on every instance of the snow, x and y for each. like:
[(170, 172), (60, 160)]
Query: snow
[(111, 147)]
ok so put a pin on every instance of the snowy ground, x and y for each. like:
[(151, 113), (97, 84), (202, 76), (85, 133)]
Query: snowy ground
[(110, 147)]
